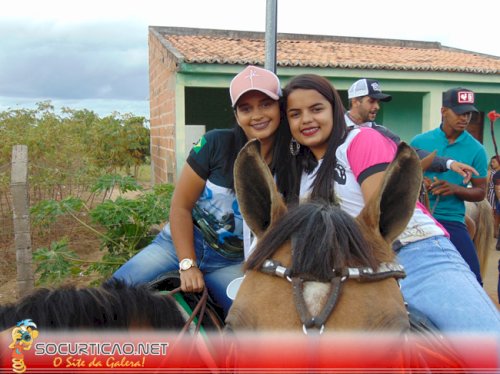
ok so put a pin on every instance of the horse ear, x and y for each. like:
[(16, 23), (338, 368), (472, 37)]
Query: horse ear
[(259, 200), (395, 202)]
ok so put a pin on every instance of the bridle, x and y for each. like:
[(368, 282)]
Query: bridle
[(337, 279)]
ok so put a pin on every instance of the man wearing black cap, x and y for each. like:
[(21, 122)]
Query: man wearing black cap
[(365, 96), (447, 192)]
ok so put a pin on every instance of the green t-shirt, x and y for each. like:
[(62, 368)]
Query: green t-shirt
[(465, 149)]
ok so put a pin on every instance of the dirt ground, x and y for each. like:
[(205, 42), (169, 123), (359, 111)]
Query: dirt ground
[(490, 280), (83, 242)]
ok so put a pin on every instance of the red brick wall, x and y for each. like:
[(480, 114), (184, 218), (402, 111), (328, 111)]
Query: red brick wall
[(162, 69)]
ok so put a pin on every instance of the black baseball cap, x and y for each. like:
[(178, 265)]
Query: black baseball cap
[(460, 100), (367, 87)]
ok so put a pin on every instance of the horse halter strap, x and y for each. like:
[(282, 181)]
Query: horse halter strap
[(367, 274), (362, 274), (306, 318), (273, 267)]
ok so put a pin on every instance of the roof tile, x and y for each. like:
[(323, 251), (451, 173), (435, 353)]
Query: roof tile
[(333, 54)]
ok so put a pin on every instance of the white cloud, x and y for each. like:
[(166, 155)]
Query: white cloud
[(95, 49)]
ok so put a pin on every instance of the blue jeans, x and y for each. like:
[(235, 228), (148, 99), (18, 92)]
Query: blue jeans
[(440, 284), (160, 257), (462, 241)]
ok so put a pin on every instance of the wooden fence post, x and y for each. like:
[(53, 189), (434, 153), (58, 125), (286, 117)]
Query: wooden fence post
[(20, 206)]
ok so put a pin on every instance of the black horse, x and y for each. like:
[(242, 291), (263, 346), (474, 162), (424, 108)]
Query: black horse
[(113, 305)]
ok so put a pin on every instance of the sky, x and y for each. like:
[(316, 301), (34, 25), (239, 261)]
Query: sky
[(93, 54)]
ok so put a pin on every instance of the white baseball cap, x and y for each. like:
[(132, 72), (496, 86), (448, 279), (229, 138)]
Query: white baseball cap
[(367, 87)]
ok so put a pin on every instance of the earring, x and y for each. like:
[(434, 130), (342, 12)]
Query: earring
[(294, 147)]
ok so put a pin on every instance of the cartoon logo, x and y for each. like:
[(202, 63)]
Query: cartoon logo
[(22, 339), (376, 87), (339, 174), (465, 97)]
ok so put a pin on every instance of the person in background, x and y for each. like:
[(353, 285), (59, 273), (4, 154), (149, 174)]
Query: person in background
[(365, 96), (329, 161), (447, 191), (491, 194), (204, 236)]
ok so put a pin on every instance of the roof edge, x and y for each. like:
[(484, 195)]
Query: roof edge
[(288, 36), (168, 46), (452, 49)]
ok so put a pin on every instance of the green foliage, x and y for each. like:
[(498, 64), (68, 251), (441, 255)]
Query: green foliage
[(106, 183), (56, 263), (125, 227), (68, 152), (109, 263), (127, 221), (72, 148), (46, 212)]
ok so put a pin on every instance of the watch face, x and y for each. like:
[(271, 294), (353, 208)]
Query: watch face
[(186, 264)]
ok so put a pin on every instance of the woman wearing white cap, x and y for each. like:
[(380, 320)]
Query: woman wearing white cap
[(204, 238)]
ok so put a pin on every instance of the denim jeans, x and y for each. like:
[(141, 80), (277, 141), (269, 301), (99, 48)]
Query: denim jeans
[(160, 257), (440, 284), (462, 241)]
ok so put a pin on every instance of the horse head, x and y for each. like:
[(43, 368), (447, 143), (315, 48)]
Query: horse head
[(269, 303)]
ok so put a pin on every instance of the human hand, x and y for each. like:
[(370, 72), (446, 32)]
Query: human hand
[(192, 280), (427, 183), (442, 187), (464, 170)]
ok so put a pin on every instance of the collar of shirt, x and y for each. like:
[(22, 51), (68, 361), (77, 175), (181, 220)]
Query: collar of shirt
[(460, 138), (350, 122)]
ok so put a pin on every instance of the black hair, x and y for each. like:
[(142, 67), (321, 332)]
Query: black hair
[(288, 178), (112, 305), (237, 142)]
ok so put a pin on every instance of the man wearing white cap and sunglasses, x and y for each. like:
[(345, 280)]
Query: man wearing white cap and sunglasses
[(365, 96), (447, 192)]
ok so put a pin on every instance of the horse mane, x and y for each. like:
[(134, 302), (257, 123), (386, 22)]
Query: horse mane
[(112, 305), (323, 237)]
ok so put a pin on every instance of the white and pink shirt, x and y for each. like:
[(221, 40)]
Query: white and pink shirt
[(364, 153)]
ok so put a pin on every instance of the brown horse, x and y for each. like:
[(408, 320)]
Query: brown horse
[(335, 273), (480, 224)]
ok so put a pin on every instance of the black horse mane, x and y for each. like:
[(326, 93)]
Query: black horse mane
[(112, 305), (323, 237)]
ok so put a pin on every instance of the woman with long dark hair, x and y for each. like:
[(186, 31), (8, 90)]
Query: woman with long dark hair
[(346, 167)]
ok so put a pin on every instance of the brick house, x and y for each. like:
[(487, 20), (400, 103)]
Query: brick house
[(190, 71)]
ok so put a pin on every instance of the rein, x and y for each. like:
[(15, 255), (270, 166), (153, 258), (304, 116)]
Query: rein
[(198, 343), (199, 310), (339, 277)]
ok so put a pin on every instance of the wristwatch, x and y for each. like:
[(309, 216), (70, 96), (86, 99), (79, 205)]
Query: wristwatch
[(186, 264)]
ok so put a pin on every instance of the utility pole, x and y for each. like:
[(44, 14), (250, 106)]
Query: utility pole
[(271, 33)]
